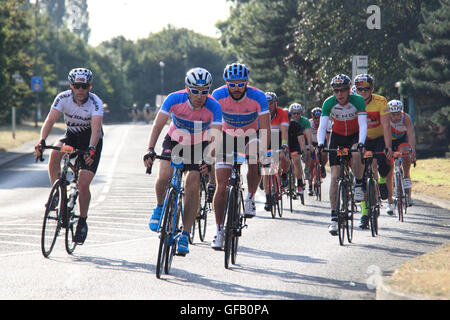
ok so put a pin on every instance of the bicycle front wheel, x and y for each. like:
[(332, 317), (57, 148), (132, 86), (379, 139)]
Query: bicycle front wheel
[(51, 225), (237, 226), (231, 207), (372, 201), (341, 209), (398, 187), (205, 208), (169, 204), (72, 220)]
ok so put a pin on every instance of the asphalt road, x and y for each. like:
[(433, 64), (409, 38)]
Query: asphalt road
[(292, 258)]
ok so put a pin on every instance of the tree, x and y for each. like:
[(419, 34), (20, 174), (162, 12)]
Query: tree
[(330, 32), (428, 71), (15, 36)]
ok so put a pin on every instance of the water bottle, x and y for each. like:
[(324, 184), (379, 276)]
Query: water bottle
[(73, 195)]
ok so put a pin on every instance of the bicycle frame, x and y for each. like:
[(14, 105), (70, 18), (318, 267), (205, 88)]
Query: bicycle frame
[(400, 198)]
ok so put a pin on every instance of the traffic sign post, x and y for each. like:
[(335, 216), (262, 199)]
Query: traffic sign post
[(360, 64), (36, 87)]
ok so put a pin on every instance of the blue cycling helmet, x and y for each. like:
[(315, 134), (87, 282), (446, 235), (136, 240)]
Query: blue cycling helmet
[(271, 96), (236, 71)]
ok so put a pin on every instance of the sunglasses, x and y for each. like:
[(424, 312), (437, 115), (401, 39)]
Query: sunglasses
[(239, 85), (340, 90), (363, 89), (81, 85), (296, 113), (196, 92)]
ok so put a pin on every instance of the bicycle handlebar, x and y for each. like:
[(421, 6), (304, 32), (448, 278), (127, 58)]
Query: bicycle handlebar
[(65, 148)]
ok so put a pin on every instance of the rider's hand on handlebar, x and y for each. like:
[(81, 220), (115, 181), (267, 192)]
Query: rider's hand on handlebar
[(38, 148), (149, 157)]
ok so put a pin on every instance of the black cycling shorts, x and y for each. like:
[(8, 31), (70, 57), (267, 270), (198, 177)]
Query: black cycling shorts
[(83, 144), (336, 141)]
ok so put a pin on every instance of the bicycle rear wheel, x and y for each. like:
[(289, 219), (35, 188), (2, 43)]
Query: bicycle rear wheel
[(351, 213), (372, 200), (169, 204), (291, 187), (231, 211), (278, 195), (51, 225)]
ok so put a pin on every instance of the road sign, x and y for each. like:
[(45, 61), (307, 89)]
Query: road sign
[(36, 84), (360, 64)]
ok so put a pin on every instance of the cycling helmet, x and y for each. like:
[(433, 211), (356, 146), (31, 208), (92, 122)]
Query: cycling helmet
[(316, 111), (395, 106), (295, 107), (80, 75), (365, 79), (236, 71), (198, 78), (353, 89), (340, 80), (271, 96)]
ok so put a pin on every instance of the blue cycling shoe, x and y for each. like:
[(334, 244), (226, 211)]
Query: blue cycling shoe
[(154, 220), (183, 244)]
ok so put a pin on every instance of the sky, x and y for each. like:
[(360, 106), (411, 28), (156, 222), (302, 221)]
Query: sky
[(136, 19)]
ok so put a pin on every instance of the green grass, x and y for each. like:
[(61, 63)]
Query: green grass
[(431, 177)]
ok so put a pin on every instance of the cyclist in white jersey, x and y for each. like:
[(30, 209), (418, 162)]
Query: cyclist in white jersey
[(83, 114)]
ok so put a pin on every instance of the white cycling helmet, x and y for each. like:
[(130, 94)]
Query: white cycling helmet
[(80, 75), (395, 106), (198, 78), (295, 107)]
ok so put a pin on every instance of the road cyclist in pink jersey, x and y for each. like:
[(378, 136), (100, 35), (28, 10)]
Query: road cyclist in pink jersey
[(194, 113), (246, 127)]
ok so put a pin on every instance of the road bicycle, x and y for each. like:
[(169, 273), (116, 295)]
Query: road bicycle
[(373, 202), (60, 209), (317, 175), (234, 217), (345, 202), (169, 227), (275, 188), (400, 193), (203, 210)]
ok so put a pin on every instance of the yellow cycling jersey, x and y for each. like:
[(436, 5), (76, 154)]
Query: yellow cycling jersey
[(375, 109)]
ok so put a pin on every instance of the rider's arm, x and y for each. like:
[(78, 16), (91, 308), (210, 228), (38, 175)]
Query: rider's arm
[(157, 127), (410, 131), (322, 130), (96, 127), (362, 121), (52, 116), (264, 124), (308, 134), (386, 123)]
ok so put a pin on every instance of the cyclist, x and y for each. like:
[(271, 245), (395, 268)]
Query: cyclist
[(403, 139), (349, 129), (378, 136), (299, 126), (193, 112), (83, 115), (245, 116), (315, 121), (279, 126)]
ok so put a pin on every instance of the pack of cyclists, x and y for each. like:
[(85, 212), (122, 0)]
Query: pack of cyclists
[(207, 127)]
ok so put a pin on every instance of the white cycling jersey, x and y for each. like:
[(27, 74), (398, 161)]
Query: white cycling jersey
[(78, 118)]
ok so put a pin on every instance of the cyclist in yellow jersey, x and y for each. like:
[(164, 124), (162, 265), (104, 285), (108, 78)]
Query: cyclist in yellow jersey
[(378, 135)]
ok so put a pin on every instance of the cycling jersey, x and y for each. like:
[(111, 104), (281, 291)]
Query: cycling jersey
[(314, 130), (295, 130), (345, 118), (240, 116), (398, 129), (189, 125), (304, 123), (375, 109), (78, 118)]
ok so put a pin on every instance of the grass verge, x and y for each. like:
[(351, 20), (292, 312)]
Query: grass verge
[(24, 132), (427, 275), (430, 177)]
